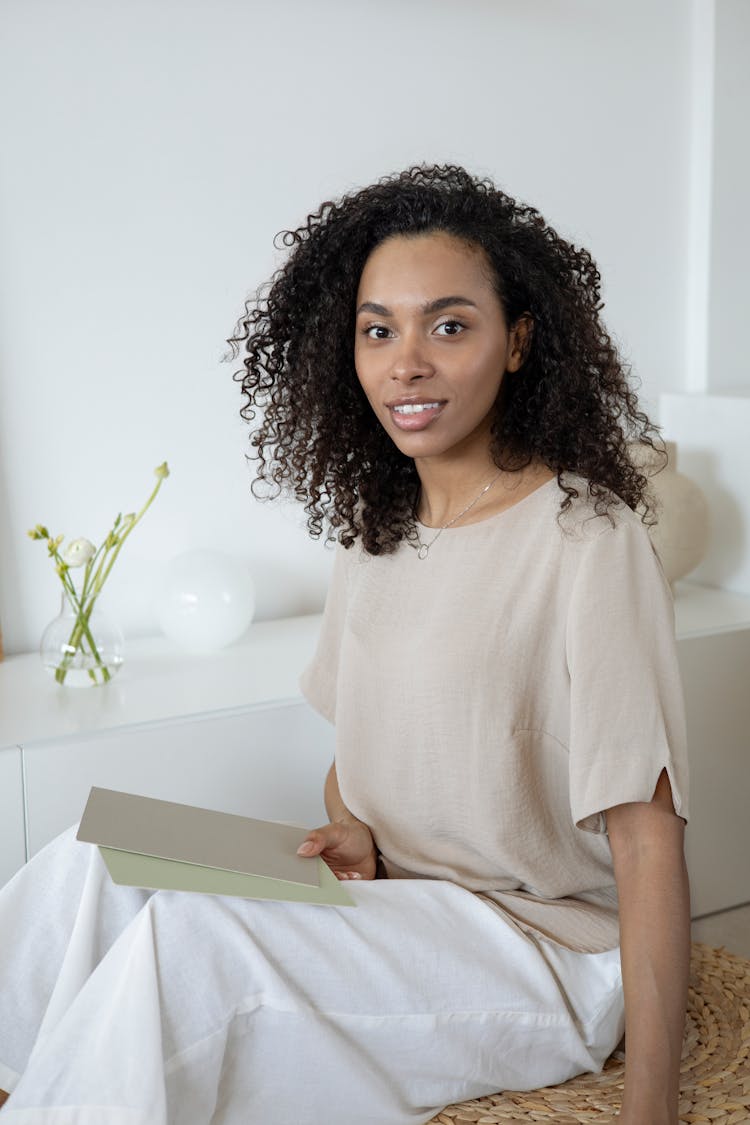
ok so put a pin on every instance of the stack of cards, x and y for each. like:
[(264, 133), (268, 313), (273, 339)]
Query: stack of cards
[(161, 845)]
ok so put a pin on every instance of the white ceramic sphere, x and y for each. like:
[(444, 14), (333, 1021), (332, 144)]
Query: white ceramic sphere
[(205, 601), (681, 536)]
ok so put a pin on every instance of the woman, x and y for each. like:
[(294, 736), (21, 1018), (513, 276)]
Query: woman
[(498, 655)]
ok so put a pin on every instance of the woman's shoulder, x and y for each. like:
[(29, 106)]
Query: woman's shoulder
[(606, 542), (593, 511)]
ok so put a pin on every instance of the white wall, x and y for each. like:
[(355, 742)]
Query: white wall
[(729, 367), (151, 150), (710, 418)]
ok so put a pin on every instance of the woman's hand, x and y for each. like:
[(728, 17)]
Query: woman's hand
[(346, 846)]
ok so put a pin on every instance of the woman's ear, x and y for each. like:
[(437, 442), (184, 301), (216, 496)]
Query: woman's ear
[(519, 343)]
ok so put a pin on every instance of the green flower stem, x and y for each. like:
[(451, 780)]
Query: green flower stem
[(81, 629), (97, 570), (87, 573), (95, 580), (121, 538)]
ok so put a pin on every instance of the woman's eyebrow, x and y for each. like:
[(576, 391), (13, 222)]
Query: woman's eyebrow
[(445, 303), (431, 306), (373, 307)]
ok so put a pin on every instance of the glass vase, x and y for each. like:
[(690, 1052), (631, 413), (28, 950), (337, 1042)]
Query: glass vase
[(81, 648)]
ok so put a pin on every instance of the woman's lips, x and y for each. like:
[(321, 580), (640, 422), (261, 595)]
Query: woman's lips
[(416, 421)]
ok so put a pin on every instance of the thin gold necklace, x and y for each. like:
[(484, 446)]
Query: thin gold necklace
[(423, 549)]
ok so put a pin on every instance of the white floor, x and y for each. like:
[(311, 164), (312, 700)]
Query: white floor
[(731, 929)]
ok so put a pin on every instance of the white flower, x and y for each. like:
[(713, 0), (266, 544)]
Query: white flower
[(78, 552)]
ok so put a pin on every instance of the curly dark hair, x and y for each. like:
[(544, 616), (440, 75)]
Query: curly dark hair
[(319, 440)]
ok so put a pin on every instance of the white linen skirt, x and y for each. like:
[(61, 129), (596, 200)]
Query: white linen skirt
[(124, 1007)]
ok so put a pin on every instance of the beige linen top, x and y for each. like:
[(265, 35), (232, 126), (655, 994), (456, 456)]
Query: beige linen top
[(493, 700)]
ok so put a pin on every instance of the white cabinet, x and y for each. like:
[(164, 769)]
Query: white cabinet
[(716, 680), (713, 645), (12, 850), (265, 762), (226, 731)]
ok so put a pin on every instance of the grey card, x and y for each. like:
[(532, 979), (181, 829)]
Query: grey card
[(130, 823)]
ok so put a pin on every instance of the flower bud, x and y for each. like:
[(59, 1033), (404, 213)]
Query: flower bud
[(162, 471), (78, 552)]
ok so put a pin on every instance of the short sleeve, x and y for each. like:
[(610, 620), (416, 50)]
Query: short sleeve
[(318, 681), (627, 720)]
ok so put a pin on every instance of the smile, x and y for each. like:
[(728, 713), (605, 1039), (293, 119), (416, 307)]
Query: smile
[(416, 415), (415, 407)]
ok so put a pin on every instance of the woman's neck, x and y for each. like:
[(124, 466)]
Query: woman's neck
[(445, 491)]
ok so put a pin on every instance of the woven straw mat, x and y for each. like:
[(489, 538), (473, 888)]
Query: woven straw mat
[(715, 1082)]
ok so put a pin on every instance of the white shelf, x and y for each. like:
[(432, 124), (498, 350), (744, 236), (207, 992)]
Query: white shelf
[(702, 611), (158, 683)]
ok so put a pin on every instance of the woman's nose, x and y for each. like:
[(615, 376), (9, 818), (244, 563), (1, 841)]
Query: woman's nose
[(411, 361)]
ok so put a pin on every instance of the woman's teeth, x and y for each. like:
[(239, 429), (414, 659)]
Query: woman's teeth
[(415, 407)]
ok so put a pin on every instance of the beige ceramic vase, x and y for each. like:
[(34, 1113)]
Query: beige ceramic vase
[(682, 533)]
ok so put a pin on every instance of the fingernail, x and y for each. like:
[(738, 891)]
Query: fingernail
[(306, 848), (354, 874)]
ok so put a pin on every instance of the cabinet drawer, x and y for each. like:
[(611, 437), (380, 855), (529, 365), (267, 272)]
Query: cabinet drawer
[(12, 844)]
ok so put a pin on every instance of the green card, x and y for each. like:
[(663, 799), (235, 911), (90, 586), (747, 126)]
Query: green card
[(154, 873)]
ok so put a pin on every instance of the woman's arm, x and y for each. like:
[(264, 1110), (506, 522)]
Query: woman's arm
[(652, 884), (346, 844), (334, 803)]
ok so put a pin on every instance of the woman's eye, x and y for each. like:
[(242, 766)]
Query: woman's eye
[(450, 328), (377, 332)]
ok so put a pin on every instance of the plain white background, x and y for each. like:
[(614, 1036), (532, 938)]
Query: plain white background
[(728, 368), (151, 149)]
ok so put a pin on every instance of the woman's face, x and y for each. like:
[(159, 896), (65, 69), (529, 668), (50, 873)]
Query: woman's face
[(432, 344)]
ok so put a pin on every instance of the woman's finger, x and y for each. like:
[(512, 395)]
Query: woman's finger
[(319, 839)]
